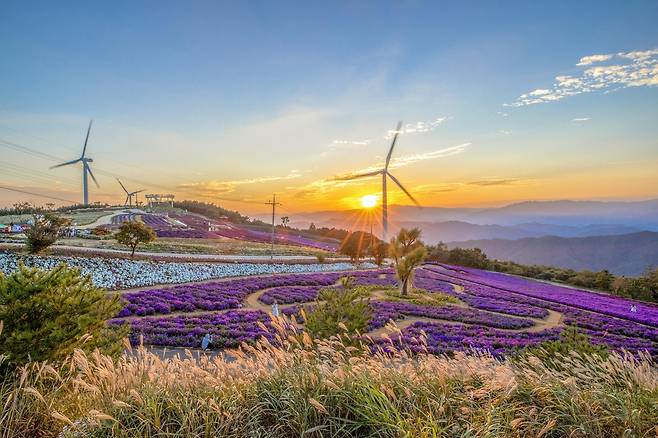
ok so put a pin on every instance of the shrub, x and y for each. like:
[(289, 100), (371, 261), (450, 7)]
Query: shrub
[(47, 314), (340, 311), (45, 231), (132, 234)]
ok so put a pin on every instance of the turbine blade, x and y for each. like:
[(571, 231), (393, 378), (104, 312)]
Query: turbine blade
[(84, 149), (395, 180), (395, 138), (92, 176), (65, 164), (122, 186), (138, 191), (358, 175), (126, 201)]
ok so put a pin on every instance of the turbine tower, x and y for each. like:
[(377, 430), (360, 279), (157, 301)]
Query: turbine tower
[(129, 195), (85, 169), (385, 174)]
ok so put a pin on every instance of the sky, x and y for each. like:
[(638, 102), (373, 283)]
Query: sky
[(231, 102)]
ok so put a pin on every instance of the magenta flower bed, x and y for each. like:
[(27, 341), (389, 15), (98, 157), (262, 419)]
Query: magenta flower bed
[(601, 303), (446, 338), (229, 294), (228, 329), (499, 306), (385, 310), (290, 294), (235, 231)]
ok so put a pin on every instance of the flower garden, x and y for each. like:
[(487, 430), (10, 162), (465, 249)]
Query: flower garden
[(489, 312), (123, 274)]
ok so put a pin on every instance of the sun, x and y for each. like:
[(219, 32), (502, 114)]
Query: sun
[(368, 201)]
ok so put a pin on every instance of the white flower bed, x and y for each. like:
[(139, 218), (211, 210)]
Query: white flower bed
[(124, 274)]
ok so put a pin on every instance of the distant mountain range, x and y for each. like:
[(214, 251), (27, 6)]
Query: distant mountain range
[(626, 254), (619, 236), (515, 221)]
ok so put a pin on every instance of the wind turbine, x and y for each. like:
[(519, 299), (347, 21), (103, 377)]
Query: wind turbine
[(129, 195), (85, 169), (385, 174)]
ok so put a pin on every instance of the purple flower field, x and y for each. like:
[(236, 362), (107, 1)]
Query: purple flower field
[(497, 313)]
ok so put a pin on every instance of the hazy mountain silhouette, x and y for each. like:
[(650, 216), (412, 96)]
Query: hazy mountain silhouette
[(626, 254)]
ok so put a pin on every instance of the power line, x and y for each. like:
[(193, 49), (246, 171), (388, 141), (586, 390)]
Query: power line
[(36, 194)]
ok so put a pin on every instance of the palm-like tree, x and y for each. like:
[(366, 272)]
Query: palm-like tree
[(407, 251)]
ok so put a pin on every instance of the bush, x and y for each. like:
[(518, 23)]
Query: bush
[(340, 311), (46, 314), (132, 234), (46, 230)]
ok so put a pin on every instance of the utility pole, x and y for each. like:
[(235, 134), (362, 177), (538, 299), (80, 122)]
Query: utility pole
[(273, 203)]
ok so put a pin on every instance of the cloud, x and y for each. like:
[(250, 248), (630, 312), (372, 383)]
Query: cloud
[(504, 132), (404, 161), (215, 187), (417, 127), (493, 182), (580, 119), (630, 69), (588, 60)]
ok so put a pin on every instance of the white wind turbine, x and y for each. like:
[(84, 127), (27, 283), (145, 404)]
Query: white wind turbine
[(129, 195), (85, 169), (385, 173)]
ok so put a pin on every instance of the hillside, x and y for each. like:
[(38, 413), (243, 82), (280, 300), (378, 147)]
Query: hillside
[(627, 254)]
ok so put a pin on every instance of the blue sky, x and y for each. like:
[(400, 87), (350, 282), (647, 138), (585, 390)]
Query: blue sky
[(234, 101)]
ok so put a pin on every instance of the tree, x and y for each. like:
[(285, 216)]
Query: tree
[(355, 245), (45, 231), (284, 221), (407, 251), (311, 227), (132, 233), (47, 314), (379, 251)]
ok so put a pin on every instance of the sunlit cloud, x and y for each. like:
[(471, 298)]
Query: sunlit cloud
[(403, 161), (215, 187), (604, 73), (580, 119), (589, 60)]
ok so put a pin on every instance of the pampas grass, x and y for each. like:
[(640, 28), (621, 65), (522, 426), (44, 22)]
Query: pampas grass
[(301, 387)]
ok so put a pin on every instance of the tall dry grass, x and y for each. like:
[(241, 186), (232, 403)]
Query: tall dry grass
[(326, 388)]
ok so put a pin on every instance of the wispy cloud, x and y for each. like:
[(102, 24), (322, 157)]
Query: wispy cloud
[(604, 73), (417, 127), (580, 119), (504, 132), (215, 187), (403, 161), (408, 128)]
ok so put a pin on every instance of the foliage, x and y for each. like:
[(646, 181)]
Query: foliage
[(340, 311), (407, 251), (47, 314), (211, 211), (132, 233), (318, 388), (571, 340), (379, 251), (45, 231), (418, 296), (355, 245)]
